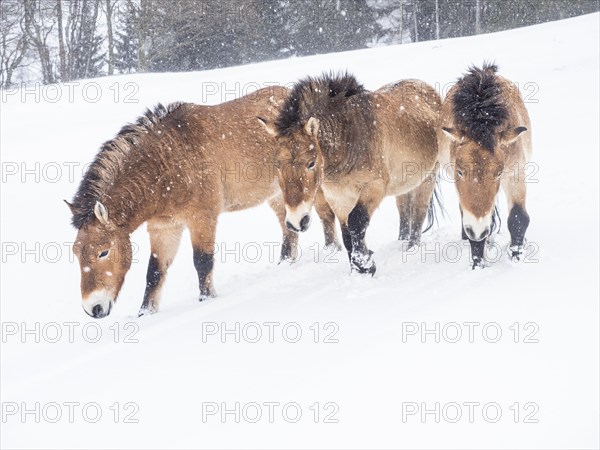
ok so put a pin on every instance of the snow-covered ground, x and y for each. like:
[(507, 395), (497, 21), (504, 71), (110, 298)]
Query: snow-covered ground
[(369, 380)]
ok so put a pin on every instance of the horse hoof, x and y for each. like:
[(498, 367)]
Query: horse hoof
[(333, 247), (363, 263), (413, 243), (205, 295), (478, 263), (288, 256), (515, 253), (365, 270), (146, 312)]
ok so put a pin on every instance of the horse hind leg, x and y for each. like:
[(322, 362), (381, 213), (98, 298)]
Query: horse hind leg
[(403, 203), (202, 233), (165, 237), (421, 199), (289, 245), (327, 217)]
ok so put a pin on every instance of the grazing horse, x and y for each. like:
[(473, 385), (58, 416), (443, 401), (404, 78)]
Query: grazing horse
[(359, 147), (482, 134), (177, 166)]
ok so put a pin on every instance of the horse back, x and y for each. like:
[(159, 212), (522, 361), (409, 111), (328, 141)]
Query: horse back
[(238, 153), (407, 113)]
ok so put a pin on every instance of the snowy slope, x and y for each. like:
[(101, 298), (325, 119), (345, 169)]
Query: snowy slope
[(377, 370)]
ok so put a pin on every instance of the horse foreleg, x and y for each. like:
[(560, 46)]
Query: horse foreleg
[(202, 233), (346, 238), (164, 242), (403, 203), (361, 258), (327, 217), (518, 218), (289, 246), (477, 247), (477, 253)]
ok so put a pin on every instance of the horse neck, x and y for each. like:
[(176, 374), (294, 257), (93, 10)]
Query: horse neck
[(331, 137), (133, 197), (345, 136)]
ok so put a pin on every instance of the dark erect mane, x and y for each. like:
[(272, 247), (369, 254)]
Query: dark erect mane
[(110, 161), (308, 93), (479, 108)]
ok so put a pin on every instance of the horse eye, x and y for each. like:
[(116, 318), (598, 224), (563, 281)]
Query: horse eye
[(459, 172), (498, 174), (311, 165), (103, 254)]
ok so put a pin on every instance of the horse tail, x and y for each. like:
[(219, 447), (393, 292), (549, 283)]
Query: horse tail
[(436, 205)]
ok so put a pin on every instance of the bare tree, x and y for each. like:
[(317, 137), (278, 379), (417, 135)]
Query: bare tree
[(89, 37), (40, 20), (81, 39), (401, 19), (13, 40), (110, 5), (477, 17), (415, 8), (62, 57), (437, 19)]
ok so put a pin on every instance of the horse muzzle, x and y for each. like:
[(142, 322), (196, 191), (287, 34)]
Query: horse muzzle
[(302, 226), (477, 228), (298, 219), (474, 235), (98, 304)]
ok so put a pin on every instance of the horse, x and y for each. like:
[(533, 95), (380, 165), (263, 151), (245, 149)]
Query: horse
[(176, 166), (485, 134), (358, 147)]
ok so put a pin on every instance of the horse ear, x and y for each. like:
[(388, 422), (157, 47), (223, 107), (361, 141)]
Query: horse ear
[(101, 212), (453, 134), (510, 136), (267, 126), (312, 127), (70, 205)]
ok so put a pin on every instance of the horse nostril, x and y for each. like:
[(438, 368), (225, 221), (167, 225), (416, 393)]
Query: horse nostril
[(469, 231), (97, 311), (305, 222), (291, 227), (485, 233)]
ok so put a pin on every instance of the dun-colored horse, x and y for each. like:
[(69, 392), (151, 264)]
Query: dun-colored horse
[(177, 166), (359, 147), (485, 134)]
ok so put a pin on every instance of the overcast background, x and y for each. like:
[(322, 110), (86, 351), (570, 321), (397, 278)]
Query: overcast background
[(49, 41)]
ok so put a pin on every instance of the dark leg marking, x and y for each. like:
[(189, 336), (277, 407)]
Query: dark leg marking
[(403, 202), (360, 257), (286, 249), (153, 279), (346, 238), (404, 227), (203, 262), (518, 221), (477, 249), (289, 248)]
